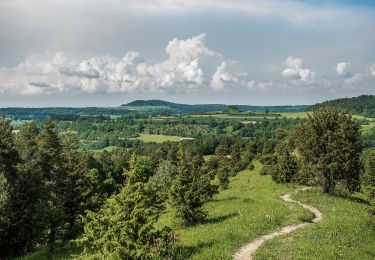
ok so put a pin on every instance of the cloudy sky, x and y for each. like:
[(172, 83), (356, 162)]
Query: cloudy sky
[(261, 52)]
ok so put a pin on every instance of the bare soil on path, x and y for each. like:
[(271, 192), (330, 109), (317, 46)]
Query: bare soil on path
[(247, 251)]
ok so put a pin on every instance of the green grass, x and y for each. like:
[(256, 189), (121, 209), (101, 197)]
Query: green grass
[(249, 208), (344, 233), (158, 138), (294, 114)]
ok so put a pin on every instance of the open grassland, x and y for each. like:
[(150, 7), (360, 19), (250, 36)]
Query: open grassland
[(249, 208), (158, 138), (344, 233)]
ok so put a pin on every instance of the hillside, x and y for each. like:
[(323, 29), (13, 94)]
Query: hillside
[(361, 105), (176, 108)]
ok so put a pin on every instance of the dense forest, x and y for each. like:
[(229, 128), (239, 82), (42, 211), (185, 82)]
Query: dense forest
[(362, 105)]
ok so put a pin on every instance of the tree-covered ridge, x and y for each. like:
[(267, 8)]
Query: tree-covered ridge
[(362, 105), (176, 108)]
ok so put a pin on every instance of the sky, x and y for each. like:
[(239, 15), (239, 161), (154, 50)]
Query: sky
[(255, 52)]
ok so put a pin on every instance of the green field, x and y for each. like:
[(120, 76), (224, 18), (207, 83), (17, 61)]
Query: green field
[(158, 138), (344, 233), (294, 114)]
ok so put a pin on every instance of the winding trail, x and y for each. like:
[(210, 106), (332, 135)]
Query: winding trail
[(247, 251)]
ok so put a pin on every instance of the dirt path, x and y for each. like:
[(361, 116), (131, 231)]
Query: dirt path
[(247, 251)]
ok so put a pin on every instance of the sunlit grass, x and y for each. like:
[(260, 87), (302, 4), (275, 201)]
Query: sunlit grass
[(344, 233)]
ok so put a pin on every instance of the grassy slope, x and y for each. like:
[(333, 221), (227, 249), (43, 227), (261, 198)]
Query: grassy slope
[(344, 233), (249, 208)]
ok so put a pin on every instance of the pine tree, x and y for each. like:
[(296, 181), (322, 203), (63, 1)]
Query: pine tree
[(8, 153), (8, 178), (190, 190), (51, 164)]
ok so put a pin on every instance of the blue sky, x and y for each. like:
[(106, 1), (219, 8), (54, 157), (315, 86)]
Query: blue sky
[(261, 52)]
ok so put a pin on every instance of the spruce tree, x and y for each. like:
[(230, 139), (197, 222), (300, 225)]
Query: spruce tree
[(51, 164), (190, 190)]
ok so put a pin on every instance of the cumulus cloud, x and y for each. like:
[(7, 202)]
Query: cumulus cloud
[(343, 69), (181, 71), (221, 77), (372, 70), (295, 69)]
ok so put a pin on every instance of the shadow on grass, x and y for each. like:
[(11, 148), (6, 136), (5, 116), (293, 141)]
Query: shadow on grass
[(355, 199), (185, 252), (221, 218), (225, 199)]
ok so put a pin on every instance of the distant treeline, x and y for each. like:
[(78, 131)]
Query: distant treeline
[(362, 105), (175, 108)]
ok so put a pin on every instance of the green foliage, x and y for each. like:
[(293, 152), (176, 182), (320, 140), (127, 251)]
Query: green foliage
[(329, 143), (286, 165), (223, 173), (368, 181), (163, 177), (124, 227), (364, 105), (141, 169), (190, 189)]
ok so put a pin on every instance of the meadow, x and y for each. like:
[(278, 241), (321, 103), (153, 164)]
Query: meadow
[(344, 233)]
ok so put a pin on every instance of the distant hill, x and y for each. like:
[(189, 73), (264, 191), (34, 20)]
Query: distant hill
[(362, 105), (176, 108)]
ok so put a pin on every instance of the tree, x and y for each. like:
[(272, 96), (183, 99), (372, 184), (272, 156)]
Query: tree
[(124, 227), (329, 143), (223, 173), (163, 177), (368, 181), (49, 156), (286, 166), (141, 169), (8, 153), (190, 190)]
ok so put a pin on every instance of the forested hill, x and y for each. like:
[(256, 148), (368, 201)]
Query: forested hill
[(204, 108), (174, 107), (362, 105)]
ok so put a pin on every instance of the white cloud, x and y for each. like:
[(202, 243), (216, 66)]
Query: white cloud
[(343, 69), (353, 80), (372, 70), (181, 71), (221, 78), (295, 69)]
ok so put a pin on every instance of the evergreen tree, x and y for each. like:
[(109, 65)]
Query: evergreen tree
[(368, 181), (124, 227), (286, 166), (50, 161), (223, 173), (190, 190), (8, 153), (329, 143), (163, 177)]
